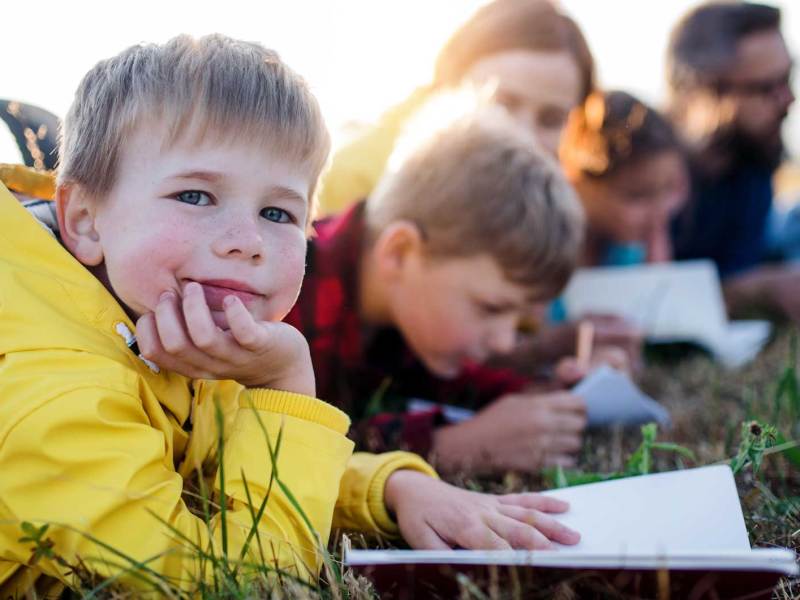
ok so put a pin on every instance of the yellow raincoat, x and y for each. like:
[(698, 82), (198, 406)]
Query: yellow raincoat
[(100, 445), (357, 167)]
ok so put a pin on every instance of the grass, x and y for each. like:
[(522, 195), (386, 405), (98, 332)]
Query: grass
[(749, 418)]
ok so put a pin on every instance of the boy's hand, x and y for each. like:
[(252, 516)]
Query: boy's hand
[(616, 331), (569, 371), (556, 341), (435, 515), (181, 336), (520, 432)]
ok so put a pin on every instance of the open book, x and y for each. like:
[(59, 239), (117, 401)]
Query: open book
[(686, 523), (671, 302)]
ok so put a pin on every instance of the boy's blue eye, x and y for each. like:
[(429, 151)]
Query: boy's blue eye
[(194, 197), (276, 215)]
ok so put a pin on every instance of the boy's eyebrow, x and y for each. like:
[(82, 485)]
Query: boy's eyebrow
[(210, 176), (285, 193)]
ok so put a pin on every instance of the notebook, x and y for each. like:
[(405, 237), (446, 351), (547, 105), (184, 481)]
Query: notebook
[(687, 524), (671, 302)]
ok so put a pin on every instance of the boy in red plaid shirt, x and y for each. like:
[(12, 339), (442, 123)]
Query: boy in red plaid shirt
[(406, 296)]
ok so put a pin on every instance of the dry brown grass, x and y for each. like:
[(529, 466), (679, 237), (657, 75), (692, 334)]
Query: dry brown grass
[(708, 406)]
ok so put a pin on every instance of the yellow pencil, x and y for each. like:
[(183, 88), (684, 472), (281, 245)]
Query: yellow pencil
[(584, 344)]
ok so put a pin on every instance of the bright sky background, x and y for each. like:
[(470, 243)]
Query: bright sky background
[(360, 56)]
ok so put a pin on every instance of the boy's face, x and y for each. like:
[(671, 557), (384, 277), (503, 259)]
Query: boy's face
[(454, 312), (229, 216)]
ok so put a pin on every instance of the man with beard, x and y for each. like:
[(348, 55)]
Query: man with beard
[(729, 74)]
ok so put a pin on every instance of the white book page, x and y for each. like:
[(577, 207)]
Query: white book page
[(691, 510), (611, 397), (671, 302), (689, 519), (741, 342)]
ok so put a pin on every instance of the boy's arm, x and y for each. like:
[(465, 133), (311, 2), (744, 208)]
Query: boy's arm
[(88, 460), (403, 496), (362, 504), (415, 430)]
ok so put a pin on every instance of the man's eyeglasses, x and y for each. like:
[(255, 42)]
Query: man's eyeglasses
[(762, 87)]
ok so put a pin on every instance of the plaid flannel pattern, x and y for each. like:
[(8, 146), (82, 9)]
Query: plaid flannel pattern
[(371, 373)]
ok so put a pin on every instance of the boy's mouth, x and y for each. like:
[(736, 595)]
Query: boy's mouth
[(216, 290)]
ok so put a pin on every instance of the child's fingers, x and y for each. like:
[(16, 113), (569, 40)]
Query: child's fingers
[(202, 330), (170, 325), (518, 535), (569, 372), (173, 335), (245, 330), (550, 527), (480, 536), (150, 347), (535, 501), (565, 443), (147, 338), (559, 460), (568, 422), (567, 402), (425, 538)]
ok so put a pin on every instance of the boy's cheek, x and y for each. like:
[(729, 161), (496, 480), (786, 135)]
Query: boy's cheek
[(141, 272)]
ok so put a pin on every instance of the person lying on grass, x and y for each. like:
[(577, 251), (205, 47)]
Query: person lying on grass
[(410, 293), (140, 324), (627, 165)]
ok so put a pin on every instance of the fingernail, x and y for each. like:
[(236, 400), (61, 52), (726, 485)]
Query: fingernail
[(192, 288), (229, 301), (166, 296)]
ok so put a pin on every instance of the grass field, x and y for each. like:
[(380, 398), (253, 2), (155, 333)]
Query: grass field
[(709, 407), (713, 411)]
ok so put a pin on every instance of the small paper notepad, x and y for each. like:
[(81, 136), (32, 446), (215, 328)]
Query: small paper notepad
[(671, 302), (611, 397)]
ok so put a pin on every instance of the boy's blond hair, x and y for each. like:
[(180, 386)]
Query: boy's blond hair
[(215, 85), (481, 185)]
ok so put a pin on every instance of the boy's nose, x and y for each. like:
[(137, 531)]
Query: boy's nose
[(241, 241)]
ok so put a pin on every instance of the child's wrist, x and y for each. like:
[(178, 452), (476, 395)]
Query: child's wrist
[(299, 380), (397, 483)]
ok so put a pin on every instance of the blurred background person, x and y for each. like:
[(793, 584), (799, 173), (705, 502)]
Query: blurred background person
[(625, 162), (629, 170), (533, 56), (729, 76)]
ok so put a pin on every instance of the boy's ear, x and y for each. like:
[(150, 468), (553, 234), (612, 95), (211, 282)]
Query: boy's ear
[(396, 244), (76, 222)]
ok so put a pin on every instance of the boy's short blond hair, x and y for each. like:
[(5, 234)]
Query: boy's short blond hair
[(481, 185), (234, 90)]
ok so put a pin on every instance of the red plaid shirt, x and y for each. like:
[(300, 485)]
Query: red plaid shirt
[(371, 373)]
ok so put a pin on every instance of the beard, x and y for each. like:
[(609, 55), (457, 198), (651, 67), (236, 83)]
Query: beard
[(740, 149), (765, 153)]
